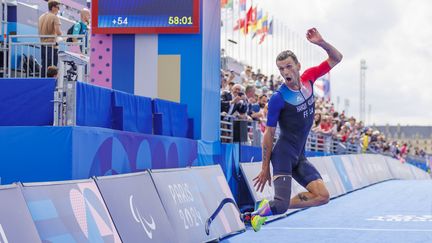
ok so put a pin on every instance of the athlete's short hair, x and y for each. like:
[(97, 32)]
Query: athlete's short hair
[(285, 54)]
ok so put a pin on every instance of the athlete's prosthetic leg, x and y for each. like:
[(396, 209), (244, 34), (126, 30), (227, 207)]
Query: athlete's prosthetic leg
[(279, 205)]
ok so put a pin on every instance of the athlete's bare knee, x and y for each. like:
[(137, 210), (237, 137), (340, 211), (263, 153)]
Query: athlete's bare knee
[(319, 191), (323, 199)]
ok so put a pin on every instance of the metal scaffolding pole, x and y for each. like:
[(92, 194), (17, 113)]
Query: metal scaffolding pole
[(363, 68)]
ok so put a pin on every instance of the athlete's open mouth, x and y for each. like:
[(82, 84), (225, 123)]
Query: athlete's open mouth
[(288, 79)]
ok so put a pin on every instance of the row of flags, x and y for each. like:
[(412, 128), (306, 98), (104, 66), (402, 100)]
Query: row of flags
[(252, 22)]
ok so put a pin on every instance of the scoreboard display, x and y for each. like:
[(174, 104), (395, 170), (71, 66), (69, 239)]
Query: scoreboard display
[(145, 16)]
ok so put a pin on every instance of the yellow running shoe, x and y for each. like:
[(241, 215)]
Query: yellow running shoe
[(257, 221), (262, 203)]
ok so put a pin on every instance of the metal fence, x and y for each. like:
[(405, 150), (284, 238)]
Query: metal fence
[(26, 52), (3, 33), (315, 142), (254, 135), (227, 129)]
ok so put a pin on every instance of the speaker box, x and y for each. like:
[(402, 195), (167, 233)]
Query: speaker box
[(240, 131)]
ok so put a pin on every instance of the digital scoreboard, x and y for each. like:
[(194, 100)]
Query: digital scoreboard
[(145, 16)]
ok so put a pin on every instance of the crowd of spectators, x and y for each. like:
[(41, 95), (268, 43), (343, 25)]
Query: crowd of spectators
[(49, 25), (245, 95)]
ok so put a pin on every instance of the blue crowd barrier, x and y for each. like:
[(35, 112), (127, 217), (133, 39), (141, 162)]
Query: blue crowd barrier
[(420, 164), (16, 224), (171, 118), (190, 196), (29, 102), (132, 113), (93, 106), (341, 174), (66, 153), (71, 211), (26, 102), (152, 206), (250, 153), (135, 207), (213, 187)]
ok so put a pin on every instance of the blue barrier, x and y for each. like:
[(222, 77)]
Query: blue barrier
[(35, 154), (171, 118), (70, 212), (342, 174), (135, 208), (213, 187), (184, 205), (65, 153), (16, 224), (420, 164), (29, 102), (190, 196), (80, 211), (93, 106), (26, 102), (250, 153), (157, 206), (132, 113)]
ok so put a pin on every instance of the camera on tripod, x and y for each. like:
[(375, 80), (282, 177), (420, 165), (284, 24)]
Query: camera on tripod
[(71, 72)]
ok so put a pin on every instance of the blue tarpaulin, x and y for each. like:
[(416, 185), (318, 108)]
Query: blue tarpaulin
[(26, 102), (93, 106), (174, 120), (136, 112)]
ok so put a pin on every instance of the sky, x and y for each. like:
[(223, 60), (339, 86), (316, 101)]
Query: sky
[(395, 39)]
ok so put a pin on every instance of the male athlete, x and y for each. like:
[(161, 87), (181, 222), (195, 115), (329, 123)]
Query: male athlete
[(292, 106)]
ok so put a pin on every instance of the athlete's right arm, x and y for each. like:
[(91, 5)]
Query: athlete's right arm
[(267, 146), (275, 106)]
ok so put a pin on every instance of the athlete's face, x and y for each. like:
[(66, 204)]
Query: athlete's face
[(290, 71)]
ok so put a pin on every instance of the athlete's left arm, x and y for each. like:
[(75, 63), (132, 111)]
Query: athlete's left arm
[(334, 56)]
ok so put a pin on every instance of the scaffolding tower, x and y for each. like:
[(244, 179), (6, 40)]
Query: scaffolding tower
[(363, 68), (3, 37)]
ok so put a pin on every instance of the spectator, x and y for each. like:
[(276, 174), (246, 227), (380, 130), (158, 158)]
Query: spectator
[(258, 81), (80, 28), (404, 150), (224, 82), (250, 93), (52, 72), (226, 98), (254, 109), (271, 83), (246, 75), (238, 103), (366, 139), (230, 85), (336, 126), (317, 120), (227, 80), (344, 134), (326, 125), (49, 24), (263, 99)]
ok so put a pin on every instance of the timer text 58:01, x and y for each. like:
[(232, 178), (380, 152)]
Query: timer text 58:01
[(180, 20)]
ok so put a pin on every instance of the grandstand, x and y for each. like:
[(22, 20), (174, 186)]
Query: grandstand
[(128, 144)]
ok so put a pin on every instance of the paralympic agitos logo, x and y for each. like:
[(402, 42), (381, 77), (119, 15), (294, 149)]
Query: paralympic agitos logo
[(148, 227), (3, 238)]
